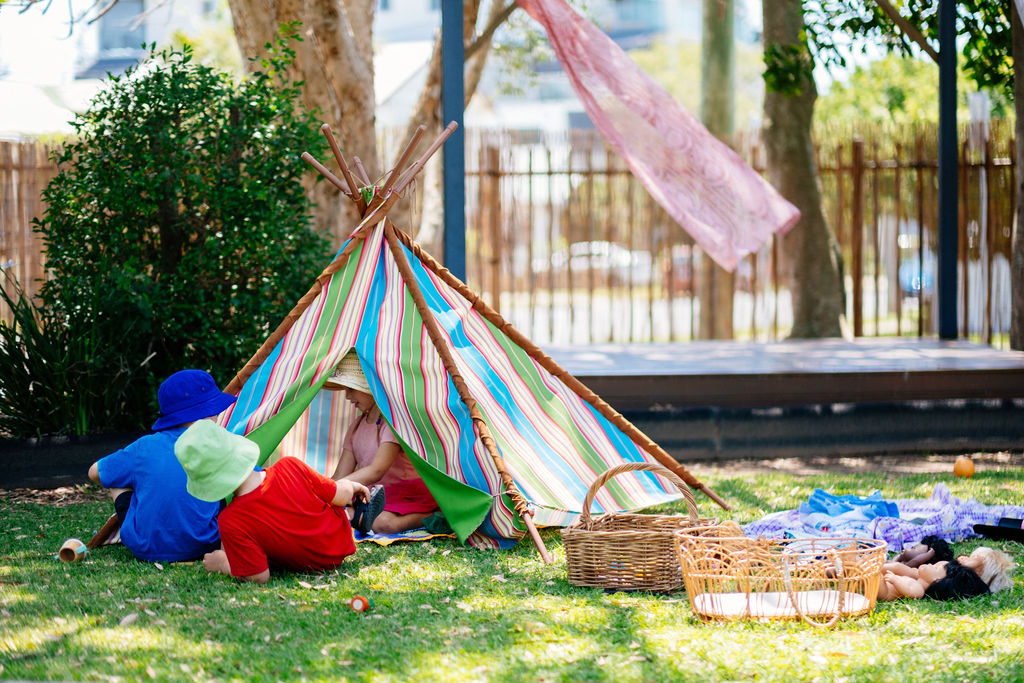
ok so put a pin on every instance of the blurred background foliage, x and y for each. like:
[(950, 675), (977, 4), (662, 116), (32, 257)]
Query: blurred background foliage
[(177, 232)]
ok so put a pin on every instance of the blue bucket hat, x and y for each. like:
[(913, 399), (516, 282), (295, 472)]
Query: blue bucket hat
[(187, 396)]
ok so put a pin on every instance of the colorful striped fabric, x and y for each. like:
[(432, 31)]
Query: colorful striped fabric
[(552, 442)]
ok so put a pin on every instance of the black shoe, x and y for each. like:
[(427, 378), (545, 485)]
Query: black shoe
[(364, 514)]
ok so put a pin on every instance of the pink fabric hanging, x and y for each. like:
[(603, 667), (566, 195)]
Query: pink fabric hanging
[(725, 205)]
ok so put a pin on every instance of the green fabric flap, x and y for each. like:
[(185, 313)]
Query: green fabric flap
[(269, 434), (463, 506)]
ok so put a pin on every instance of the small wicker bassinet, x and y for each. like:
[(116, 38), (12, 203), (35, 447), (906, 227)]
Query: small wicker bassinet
[(818, 580)]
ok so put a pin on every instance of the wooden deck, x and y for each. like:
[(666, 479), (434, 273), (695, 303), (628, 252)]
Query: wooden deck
[(801, 372)]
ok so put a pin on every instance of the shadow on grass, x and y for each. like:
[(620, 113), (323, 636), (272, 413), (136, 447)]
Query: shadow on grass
[(447, 613)]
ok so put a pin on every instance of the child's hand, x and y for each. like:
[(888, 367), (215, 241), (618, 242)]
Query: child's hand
[(217, 562), (361, 491), (348, 490)]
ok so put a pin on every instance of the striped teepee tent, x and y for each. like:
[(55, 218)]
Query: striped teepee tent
[(503, 437)]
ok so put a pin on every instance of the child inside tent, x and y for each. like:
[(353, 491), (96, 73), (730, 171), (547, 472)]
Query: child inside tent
[(371, 455)]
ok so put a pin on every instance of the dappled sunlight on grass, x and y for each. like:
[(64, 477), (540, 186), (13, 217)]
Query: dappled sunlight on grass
[(443, 612), (43, 631), (150, 639), (13, 595)]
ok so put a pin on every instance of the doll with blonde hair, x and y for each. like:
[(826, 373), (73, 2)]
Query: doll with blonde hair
[(985, 570)]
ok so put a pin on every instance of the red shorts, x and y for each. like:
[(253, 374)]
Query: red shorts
[(408, 496)]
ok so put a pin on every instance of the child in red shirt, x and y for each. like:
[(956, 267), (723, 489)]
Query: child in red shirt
[(287, 516)]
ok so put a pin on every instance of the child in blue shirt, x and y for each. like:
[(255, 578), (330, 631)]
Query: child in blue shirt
[(160, 520)]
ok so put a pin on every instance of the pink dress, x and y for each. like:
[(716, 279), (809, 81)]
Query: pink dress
[(404, 490)]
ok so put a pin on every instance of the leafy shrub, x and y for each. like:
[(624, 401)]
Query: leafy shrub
[(177, 229), (54, 379)]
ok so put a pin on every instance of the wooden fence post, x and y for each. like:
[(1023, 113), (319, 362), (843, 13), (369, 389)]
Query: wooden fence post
[(491, 175), (7, 222), (857, 236), (963, 256)]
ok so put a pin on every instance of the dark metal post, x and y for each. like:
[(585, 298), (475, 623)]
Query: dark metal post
[(948, 195), (452, 106)]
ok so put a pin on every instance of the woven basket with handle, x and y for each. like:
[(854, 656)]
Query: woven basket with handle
[(628, 552), (818, 580)]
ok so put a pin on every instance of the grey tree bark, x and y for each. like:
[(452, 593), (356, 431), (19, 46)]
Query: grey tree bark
[(717, 89), (335, 61), (1017, 248), (814, 262)]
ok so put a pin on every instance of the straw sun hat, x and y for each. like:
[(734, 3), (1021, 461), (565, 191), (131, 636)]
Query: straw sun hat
[(349, 374)]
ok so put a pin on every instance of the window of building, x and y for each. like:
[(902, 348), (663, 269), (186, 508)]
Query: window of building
[(118, 28)]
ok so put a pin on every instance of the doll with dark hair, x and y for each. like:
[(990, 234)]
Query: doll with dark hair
[(959, 582), (929, 550), (984, 571)]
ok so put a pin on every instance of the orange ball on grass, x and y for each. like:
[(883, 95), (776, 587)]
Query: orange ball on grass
[(963, 467)]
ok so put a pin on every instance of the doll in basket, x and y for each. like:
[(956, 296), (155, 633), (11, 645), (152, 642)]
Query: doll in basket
[(928, 569)]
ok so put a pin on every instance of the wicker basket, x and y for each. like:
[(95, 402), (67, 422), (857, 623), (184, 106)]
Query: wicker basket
[(627, 552), (818, 580)]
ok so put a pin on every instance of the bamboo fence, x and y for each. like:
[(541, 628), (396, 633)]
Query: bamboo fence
[(25, 170), (566, 244)]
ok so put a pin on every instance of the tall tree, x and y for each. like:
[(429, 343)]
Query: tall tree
[(335, 63), (813, 260), (988, 34), (717, 89)]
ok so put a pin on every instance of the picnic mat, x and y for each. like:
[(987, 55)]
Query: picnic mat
[(900, 523), (420, 534)]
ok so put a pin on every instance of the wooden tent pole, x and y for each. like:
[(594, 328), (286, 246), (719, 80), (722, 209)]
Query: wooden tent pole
[(345, 172), (363, 175), (371, 216), (551, 366), (109, 528), (483, 431), (434, 146), (235, 385), (326, 172), (396, 172)]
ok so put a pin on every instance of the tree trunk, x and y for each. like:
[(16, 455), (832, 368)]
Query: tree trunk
[(717, 88), (429, 231), (1017, 250), (335, 61), (814, 268)]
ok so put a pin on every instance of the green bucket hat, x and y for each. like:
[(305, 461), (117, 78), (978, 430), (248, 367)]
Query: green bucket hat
[(216, 461)]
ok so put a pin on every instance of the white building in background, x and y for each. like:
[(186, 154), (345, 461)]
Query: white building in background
[(54, 55), (56, 43), (549, 102), (52, 61)]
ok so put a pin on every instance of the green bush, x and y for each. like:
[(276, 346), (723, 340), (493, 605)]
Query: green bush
[(177, 229), (54, 378)]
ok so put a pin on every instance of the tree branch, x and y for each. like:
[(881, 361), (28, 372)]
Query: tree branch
[(909, 30), (476, 53), (496, 20)]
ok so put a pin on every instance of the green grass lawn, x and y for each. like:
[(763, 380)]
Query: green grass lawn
[(444, 612)]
